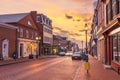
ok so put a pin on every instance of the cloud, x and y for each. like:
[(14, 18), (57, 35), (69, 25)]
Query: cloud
[(57, 28), (87, 19), (68, 16), (64, 32)]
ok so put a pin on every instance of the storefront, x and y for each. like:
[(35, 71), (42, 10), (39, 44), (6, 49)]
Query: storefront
[(112, 44), (115, 47), (27, 47)]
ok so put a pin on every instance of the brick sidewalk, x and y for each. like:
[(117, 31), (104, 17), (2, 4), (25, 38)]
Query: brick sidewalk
[(97, 71), (20, 60)]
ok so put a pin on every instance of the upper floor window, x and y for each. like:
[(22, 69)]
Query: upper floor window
[(21, 32), (32, 35), (27, 34), (38, 18), (18, 30)]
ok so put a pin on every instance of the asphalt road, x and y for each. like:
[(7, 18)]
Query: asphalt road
[(57, 68)]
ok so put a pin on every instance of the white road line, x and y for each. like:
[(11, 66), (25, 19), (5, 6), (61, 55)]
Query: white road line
[(77, 73)]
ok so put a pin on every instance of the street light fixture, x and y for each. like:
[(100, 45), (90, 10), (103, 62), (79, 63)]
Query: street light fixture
[(38, 38)]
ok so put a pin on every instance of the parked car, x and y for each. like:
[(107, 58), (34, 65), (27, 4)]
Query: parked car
[(77, 55), (69, 53), (61, 53)]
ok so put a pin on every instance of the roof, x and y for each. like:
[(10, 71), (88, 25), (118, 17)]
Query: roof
[(8, 18), (7, 26)]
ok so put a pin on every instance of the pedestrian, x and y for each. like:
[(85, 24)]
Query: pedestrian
[(87, 65)]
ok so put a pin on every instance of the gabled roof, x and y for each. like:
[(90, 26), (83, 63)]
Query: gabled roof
[(9, 18)]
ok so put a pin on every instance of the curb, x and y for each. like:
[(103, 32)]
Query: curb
[(17, 61)]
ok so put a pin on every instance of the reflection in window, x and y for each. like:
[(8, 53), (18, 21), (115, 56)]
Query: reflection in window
[(116, 47)]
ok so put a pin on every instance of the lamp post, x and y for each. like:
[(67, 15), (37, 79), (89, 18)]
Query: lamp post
[(86, 28), (38, 38), (82, 46)]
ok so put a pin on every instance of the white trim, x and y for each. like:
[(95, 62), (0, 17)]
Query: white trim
[(5, 48), (101, 37), (114, 31), (99, 31), (8, 26), (27, 40)]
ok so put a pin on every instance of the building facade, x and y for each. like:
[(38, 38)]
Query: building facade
[(44, 25), (111, 33), (8, 43), (26, 32), (100, 26)]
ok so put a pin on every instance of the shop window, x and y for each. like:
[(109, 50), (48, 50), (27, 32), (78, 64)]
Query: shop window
[(119, 47), (116, 47), (115, 58)]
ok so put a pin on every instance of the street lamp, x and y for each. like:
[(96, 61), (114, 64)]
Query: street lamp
[(38, 38), (86, 29)]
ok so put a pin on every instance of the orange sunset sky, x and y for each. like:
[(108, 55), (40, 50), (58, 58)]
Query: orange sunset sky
[(68, 16)]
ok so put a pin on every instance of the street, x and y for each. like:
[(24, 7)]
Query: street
[(58, 68)]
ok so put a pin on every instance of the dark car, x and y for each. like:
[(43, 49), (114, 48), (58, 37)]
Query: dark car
[(77, 55)]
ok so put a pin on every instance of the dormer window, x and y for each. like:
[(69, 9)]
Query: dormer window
[(29, 23)]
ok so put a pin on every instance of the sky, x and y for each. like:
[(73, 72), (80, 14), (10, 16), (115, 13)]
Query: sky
[(68, 16)]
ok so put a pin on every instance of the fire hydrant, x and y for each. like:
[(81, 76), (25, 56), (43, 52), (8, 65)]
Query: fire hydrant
[(87, 65)]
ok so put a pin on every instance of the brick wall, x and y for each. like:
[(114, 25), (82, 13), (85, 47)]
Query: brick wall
[(10, 34)]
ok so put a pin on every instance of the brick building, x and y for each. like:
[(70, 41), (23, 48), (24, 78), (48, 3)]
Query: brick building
[(108, 32), (26, 32), (8, 40)]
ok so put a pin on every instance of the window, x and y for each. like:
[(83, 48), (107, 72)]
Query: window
[(116, 47), (38, 18), (114, 7), (107, 13), (27, 34), (32, 35), (18, 30), (118, 5), (119, 47), (21, 32)]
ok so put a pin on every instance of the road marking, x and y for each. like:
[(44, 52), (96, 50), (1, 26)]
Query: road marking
[(77, 73)]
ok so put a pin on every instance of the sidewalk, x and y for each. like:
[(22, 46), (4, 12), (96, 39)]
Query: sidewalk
[(97, 71), (20, 60)]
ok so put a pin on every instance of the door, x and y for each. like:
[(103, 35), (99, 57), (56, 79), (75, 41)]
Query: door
[(21, 50), (5, 44)]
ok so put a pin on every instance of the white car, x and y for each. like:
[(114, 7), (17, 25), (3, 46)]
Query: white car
[(77, 55), (69, 53), (61, 54)]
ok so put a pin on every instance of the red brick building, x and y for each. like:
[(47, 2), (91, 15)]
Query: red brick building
[(112, 33), (8, 40), (26, 32)]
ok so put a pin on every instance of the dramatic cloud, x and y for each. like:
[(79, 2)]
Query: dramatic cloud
[(57, 28), (87, 20), (68, 16)]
